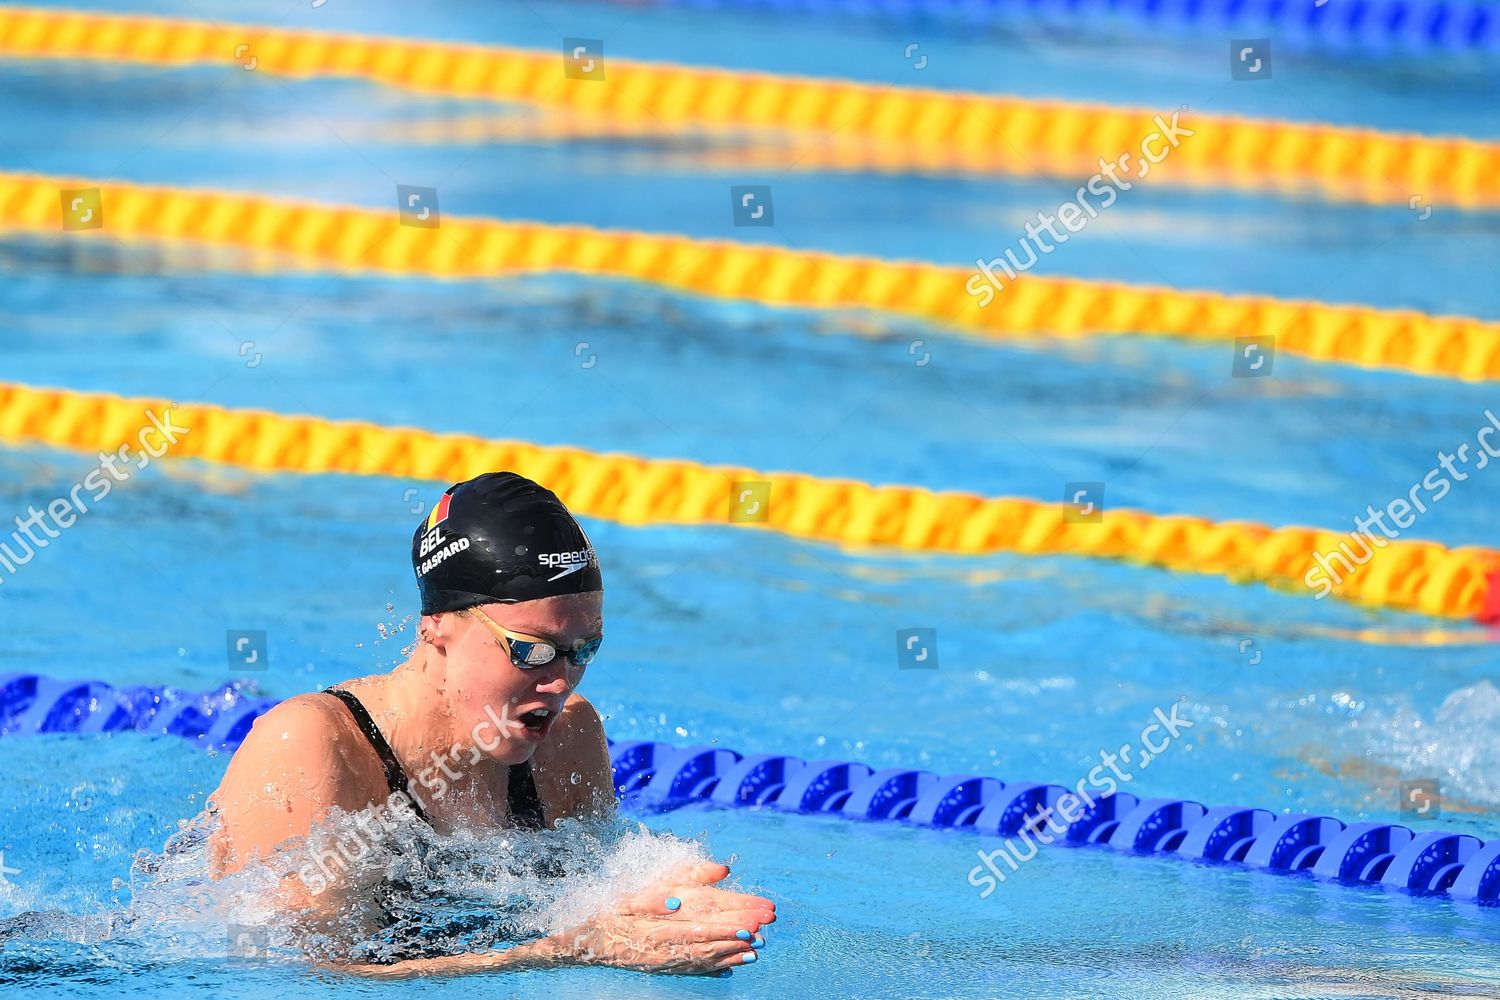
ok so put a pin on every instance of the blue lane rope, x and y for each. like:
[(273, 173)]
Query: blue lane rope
[(31, 703), (663, 776), (1375, 25)]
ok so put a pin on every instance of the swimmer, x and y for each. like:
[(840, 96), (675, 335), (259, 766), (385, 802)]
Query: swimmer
[(480, 729)]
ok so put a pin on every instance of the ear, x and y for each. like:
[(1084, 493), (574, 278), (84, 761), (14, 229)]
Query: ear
[(439, 629)]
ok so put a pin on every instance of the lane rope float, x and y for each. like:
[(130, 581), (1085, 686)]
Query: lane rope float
[(1406, 575), (976, 131), (370, 240), (220, 719), (661, 776)]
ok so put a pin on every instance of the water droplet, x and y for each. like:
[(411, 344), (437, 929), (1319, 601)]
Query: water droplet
[(389, 606), (575, 778), (181, 651)]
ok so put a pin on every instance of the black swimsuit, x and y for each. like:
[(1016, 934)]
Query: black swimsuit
[(520, 794), (410, 931)]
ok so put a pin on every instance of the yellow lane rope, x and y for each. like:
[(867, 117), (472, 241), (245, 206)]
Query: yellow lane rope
[(1406, 575), (362, 239), (972, 131)]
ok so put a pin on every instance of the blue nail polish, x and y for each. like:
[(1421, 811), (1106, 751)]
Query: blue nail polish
[(673, 903), (743, 935), (759, 942), (748, 957)]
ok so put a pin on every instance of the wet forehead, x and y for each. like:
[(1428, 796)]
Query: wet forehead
[(560, 620)]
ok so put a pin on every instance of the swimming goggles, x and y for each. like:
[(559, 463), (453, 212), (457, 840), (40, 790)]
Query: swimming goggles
[(528, 652)]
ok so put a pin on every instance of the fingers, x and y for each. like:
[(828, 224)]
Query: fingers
[(749, 919), (738, 903), (703, 873), (653, 902), (690, 943), (709, 947), (718, 956), (734, 961), (728, 934), (691, 901), (707, 898), (752, 917)]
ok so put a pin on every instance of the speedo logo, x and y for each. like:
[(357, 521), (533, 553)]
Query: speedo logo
[(569, 562)]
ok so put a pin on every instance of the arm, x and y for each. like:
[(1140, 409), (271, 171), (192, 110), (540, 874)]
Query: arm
[(698, 936), (544, 954), (289, 773)]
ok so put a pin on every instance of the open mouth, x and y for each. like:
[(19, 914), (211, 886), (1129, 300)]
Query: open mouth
[(537, 721)]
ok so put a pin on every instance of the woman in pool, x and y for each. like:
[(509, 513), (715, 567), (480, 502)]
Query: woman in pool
[(478, 730)]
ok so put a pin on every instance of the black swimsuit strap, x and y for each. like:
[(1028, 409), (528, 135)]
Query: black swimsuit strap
[(520, 794), (525, 804), (395, 777)]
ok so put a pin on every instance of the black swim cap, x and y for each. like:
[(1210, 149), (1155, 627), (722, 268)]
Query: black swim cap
[(500, 539)]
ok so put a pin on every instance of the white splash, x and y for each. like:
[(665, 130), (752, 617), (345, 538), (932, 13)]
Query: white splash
[(1460, 742), (408, 892)]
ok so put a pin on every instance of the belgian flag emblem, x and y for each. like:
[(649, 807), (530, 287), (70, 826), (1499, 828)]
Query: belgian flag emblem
[(439, 512)]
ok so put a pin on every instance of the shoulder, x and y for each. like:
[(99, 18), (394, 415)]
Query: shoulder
[(307, 727), (572, 768), (581, 716), (307, 745), (579, 733), (292, 768)]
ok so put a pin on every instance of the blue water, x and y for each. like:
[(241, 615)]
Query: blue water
[(742, 637)]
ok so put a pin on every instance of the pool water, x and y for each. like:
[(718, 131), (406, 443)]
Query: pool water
[(743, 637)]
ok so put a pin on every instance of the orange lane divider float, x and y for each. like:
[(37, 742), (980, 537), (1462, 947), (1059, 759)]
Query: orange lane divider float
[(1405, 575), (363, 239), (943, 129)]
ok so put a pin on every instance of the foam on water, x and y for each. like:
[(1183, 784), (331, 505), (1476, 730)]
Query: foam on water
[(410, 892), (1458, 742)]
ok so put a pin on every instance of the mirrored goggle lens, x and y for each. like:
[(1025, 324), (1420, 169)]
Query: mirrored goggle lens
[(584, 655), (531, 654), (526, 654)]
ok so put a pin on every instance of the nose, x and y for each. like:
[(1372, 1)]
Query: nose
[(556, 683)]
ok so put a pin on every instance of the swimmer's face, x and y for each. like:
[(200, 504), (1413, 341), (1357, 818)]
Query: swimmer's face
[(487, 687)]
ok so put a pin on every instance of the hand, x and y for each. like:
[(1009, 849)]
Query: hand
[(684, 925)]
